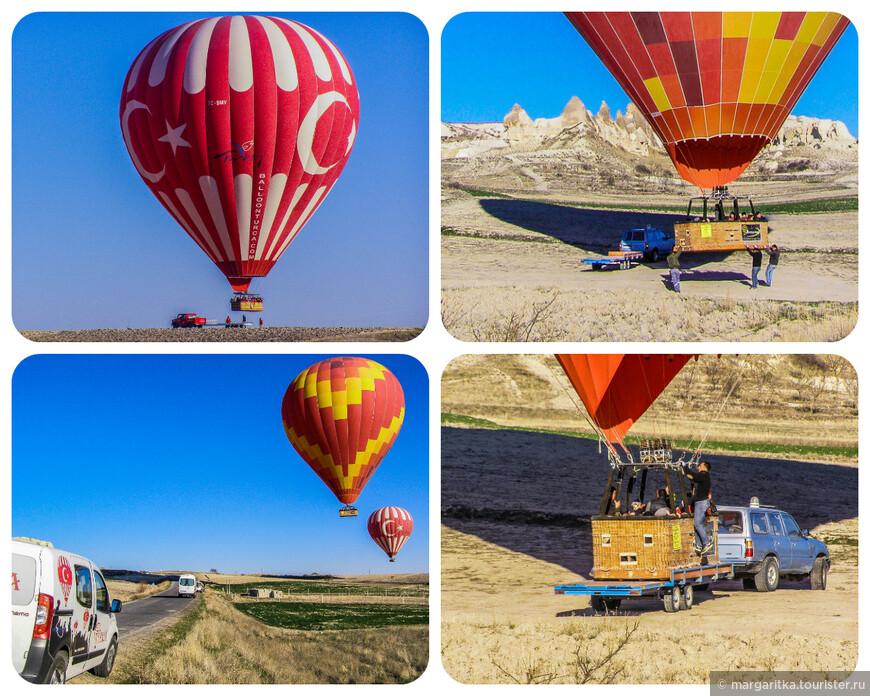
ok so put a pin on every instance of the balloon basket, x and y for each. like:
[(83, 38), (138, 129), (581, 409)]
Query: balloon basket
[(246, 303), (348, 511), (392, 560)]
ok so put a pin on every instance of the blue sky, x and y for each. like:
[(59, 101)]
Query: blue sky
[(92, 247), (491, 61), (181, 462)]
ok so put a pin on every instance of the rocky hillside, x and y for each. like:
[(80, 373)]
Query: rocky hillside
[(585, 150)]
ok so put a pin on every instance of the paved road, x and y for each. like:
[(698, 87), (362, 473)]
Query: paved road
[(145, 613)]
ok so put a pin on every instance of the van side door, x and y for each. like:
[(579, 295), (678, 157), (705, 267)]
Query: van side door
[(83, 610), (101, 630)]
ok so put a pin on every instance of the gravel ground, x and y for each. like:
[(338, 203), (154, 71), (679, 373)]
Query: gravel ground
[(269, 334)]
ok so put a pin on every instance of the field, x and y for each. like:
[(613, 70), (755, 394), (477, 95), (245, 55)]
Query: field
[(307, 616), (377, 640), (517, 496), (131, 591)]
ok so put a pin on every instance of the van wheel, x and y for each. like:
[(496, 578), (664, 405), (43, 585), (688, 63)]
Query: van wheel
[(819, 574), (57, 673), (767, 578), (104, 669)]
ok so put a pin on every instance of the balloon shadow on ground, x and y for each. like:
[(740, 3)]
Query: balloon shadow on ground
[(591, 230), (533, 493)]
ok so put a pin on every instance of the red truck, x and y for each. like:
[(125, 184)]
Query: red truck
[(188, 321)]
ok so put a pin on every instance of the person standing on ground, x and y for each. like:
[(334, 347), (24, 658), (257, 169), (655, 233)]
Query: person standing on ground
[(755, 253), (701, 496), (772, 262), (674, 265)]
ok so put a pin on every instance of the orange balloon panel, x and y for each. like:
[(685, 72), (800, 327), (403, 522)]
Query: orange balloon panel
[(342, 415), (618, 389), (715, 86)]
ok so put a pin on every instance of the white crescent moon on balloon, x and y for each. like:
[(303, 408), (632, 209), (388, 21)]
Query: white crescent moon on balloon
[(384, 531), (305, 135), (133, 105)]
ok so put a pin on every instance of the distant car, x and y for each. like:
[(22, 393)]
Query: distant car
[(186, 586), (199, 587), (765, 544), (62, 620), (652, 243)]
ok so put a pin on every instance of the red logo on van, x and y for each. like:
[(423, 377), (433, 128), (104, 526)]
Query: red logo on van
[(65, 576)]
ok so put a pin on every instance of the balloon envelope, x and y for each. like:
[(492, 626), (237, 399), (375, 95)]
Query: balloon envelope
[(240, 126), (390, 528), (617, 389), (342, 415), (715, 86)]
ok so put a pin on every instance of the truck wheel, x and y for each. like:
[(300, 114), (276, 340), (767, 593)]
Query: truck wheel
[(767, 578), (57, 673), (655, 255), (819, 574), (687, 597), (104, 669), (671, 600)]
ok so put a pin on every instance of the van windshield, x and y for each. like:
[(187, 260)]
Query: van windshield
[(186, 581)]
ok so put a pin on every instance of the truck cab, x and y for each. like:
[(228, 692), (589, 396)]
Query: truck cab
[(188, 320), (63, 622)]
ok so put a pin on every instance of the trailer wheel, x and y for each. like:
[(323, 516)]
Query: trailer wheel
[(612, 605), (671, 600), (687, 596), (819, 574), (598, 604)]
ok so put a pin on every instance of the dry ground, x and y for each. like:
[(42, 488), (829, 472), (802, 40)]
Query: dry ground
[(515, 510), (512, 271), (131, 591), (267, 334)]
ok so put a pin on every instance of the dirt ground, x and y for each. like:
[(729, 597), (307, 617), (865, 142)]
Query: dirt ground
[(503, 260)]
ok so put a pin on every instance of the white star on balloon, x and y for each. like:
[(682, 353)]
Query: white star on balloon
[(173, 137)]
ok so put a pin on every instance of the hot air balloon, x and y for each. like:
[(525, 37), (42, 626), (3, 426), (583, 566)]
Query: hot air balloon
[(390, 528), (240, 126), (715, 86), (342, 415), (616, 391)]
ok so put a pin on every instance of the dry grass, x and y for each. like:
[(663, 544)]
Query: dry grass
[(220, 645), (131, 591), (523, 313)]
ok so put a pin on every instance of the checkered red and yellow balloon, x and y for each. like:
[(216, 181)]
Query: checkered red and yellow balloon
[(342, 415)]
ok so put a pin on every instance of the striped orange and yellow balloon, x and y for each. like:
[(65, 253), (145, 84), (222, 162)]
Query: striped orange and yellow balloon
[(342, 415), (715, 86)]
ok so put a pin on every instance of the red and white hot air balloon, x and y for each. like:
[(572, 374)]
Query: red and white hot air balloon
[(390, 528), (240, 126)]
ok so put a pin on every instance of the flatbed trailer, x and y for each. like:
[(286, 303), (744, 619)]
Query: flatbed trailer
[(615, 259), (231, 325), (676, 593)]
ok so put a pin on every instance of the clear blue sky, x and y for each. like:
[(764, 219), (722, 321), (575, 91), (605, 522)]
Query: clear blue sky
[(92, 247), (181, 462), (491, 61)]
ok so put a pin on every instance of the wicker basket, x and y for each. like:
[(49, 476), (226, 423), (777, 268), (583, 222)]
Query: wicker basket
[(646, 548)]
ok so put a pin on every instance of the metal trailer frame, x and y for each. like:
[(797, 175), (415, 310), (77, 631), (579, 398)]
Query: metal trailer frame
[(676, 593), (620, 260)]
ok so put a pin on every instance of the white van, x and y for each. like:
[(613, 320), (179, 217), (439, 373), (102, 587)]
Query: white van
[(186, 586), (62, 620)]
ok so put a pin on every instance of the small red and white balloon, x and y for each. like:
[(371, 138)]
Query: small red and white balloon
[(390, 528)]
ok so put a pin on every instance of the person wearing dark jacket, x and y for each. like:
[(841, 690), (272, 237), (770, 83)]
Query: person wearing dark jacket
[(755, 253), (701, 496), (772, 262), (658, 506)]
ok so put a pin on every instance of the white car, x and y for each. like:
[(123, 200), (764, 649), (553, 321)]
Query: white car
[(63, 622), (186, 586)]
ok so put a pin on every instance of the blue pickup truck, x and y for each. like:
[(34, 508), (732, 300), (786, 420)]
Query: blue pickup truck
[(651, 242)]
